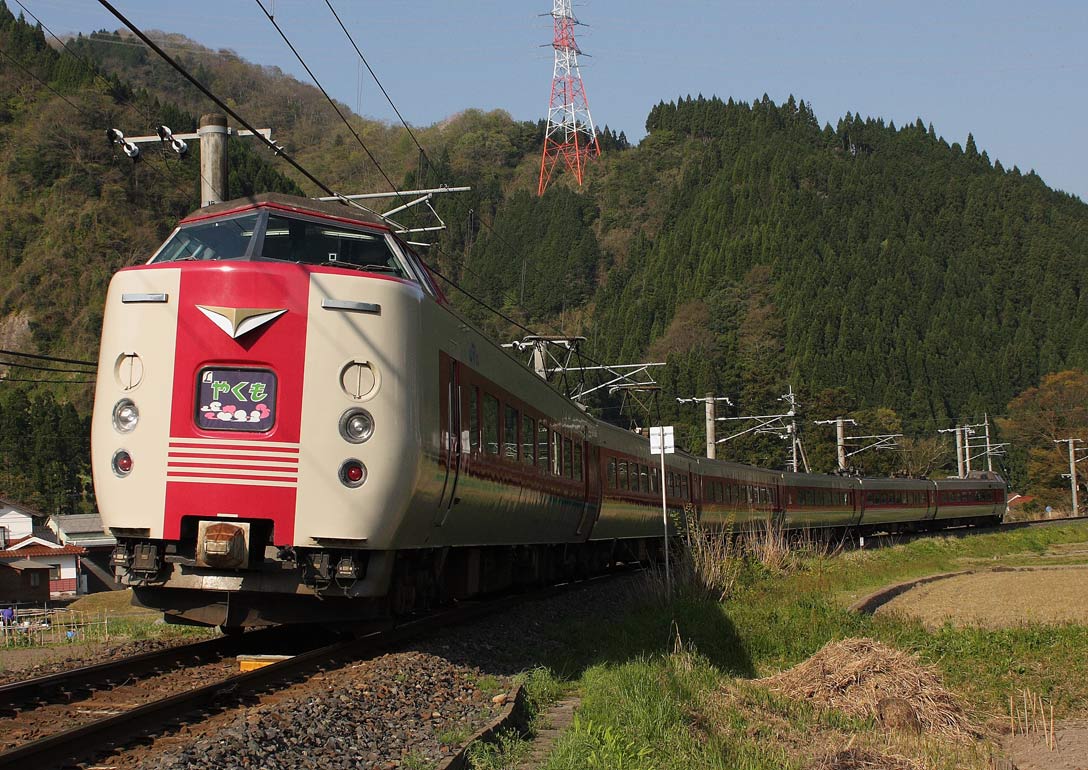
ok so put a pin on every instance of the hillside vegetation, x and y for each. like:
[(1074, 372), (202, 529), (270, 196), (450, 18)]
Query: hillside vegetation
[(882, 271)]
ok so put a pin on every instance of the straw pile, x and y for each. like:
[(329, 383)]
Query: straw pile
[(855, 675), (864, 759)]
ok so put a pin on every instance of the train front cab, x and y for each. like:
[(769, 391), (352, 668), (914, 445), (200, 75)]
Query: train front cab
[(255, 440)]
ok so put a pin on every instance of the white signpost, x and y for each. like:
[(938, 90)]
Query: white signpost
[(661, 443)]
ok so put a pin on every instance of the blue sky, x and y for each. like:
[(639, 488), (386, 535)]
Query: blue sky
[(1011, 73)]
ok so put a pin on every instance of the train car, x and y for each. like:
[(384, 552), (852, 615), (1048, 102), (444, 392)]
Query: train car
[(292, 424), (814, 501)]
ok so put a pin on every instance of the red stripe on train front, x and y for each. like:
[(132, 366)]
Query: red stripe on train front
[(209, 501), (279, 346)]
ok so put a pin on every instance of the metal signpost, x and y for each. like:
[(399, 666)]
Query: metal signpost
[(661, 443)]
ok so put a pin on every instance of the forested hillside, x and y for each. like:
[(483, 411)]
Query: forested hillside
[(882, 271)]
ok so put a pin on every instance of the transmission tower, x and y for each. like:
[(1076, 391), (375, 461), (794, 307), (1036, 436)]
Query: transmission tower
[(570, 135)]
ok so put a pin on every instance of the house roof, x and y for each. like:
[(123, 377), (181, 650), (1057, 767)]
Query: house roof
[(82, 529), (23, 564), (1018, 499), (80, 523), (20, 509), (31, 550)]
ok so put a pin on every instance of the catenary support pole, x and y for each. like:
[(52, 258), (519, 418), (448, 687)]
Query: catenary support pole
[(711, 436), (213, 159)]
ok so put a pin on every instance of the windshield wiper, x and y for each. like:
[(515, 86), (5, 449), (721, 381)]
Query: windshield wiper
[(364, 268)]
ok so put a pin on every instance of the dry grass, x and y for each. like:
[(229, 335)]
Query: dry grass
[(789, 732), (854, 675), (1005, 599), (706, 568), (768, 544), (866, 759)]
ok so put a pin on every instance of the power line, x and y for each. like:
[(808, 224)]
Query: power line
[(480, 302), (218, 102), (39, 357), (301, 169), (56, 382), (380, 86), (98, 76), (331, 101), (43, 368), (19, 64)]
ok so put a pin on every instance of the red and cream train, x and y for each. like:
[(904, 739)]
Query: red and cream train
[(292, 424)]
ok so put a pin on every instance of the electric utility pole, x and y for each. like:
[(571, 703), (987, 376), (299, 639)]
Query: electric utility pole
[(711, 419), (1072, 442)]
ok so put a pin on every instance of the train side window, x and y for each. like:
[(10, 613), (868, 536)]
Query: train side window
[(684, 486), (655, 480), (510, 432), (568, 458), (577, 460), (557, 453), (611, 472), (542, 446), (528, 431), (491, 424), (623, 474), (473, 419), (643, 478)]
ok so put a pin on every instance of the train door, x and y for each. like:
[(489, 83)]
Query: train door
[(591, 464), (450, 420)]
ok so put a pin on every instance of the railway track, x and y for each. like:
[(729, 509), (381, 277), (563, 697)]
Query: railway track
[(112, 728), (884, 540), (36, 713)]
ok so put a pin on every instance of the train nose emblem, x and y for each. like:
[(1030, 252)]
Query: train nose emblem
[(236, 321), (222, 545)]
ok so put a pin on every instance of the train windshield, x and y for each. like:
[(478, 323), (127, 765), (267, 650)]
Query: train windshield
[(273, 236), (220, 239), (325, 243)]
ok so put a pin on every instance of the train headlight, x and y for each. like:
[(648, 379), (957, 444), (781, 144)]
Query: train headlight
[(121, 463), (125, 415), (352, 473), (356, 425)]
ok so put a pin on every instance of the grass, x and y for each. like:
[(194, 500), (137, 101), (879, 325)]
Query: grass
[(668, 684)]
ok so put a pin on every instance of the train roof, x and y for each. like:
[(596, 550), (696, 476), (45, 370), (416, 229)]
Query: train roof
[(290, 203)]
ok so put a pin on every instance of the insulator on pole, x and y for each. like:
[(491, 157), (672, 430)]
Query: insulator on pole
[(114, 136), (167, 137)]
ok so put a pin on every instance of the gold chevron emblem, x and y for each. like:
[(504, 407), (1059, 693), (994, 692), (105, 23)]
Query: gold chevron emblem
[(236, 321)]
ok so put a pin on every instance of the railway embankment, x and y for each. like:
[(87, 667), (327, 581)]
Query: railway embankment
[(690, 683)]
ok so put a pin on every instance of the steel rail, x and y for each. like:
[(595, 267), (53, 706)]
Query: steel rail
[(113, 732), (99, 675)]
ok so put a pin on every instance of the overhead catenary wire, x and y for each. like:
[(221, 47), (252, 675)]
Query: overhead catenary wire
[(385, 93), (332, 102)]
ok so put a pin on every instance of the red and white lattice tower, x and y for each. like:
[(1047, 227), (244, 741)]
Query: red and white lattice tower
[(570, 136)]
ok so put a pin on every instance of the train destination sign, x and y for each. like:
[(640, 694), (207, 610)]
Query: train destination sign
[(236, 399)]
